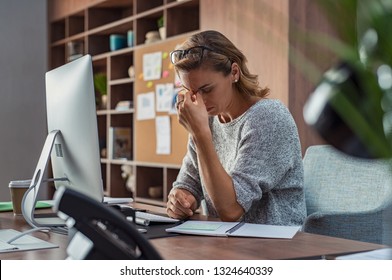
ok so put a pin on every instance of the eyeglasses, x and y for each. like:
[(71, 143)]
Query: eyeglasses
[(195, 53)]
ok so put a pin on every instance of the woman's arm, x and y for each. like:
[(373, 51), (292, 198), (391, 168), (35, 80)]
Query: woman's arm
[(218, 183)]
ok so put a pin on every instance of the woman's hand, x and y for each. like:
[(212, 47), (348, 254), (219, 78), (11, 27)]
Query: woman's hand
[(192, 113), (181, 204)]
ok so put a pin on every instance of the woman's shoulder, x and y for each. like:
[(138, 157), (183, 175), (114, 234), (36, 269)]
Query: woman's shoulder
[(269, 114), (267, 108), (268, 103)]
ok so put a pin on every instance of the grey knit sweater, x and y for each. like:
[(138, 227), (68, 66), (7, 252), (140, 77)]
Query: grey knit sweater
[(261, 152)]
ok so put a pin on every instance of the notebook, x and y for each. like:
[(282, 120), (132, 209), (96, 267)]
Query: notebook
[(235, 229), (24, 243)]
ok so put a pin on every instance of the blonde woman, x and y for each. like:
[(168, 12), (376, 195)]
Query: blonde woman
[(244, 157)]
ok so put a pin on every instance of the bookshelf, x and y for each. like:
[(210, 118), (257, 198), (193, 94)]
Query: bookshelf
[(87, 25)]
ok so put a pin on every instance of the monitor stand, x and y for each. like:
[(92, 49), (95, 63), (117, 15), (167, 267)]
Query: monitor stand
[(31, 196)]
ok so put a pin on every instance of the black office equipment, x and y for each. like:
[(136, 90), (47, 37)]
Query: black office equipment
[(102, 232)]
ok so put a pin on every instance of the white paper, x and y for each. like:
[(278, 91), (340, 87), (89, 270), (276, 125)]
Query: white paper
[(145, 106), (266, 231), (209, 228), (380, 254), (24, 243), (152, 66), (164, 97), (173, 109), (235, 229), (162, 130)]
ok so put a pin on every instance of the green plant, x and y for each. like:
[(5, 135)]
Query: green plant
[(161, 22), (100, 83), (361, 94)]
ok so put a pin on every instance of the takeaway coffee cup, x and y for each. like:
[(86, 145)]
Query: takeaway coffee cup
[(17, 190)]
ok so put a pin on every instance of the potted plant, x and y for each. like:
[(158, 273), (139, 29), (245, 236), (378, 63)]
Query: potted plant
[(100, 85), (360, 87), (161, 27)]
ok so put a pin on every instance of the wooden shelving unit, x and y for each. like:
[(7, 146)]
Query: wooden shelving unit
[(91, 23)]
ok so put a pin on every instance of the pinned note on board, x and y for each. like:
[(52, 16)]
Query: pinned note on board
[(163, 135), (152, 66), (149, 84), (164, 95), (145, 106), (165, 74)]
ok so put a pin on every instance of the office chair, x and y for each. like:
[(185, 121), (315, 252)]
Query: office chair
[(347, 197)]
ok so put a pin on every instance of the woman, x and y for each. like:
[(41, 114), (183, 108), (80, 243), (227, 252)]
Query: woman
[(244, 157)]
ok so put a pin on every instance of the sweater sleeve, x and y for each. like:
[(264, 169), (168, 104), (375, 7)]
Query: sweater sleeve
[(188, 178)]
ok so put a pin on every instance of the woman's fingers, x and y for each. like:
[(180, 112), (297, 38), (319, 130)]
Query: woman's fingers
[(178, 206)]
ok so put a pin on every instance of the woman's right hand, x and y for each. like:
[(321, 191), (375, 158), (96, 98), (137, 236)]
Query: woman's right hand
[(181, 204), (192, 113)]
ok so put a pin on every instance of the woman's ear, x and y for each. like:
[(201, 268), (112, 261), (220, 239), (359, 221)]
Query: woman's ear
[(235, 72)]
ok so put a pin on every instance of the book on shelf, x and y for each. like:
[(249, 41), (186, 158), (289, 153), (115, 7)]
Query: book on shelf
[(120, 144), (235, 229), (75, 50)]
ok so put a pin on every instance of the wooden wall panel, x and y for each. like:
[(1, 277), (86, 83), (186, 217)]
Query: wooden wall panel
[(260, 29), (306, 16)]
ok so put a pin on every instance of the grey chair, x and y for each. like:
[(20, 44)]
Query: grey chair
[(347, 197)]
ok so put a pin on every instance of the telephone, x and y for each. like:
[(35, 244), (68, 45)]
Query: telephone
[(101, 232)]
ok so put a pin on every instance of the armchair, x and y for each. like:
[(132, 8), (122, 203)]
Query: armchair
[(347, 197)]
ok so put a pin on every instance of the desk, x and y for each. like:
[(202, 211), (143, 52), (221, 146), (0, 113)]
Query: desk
[(186, 247)]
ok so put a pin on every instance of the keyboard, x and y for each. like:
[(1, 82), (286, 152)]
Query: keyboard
[(145, 218)]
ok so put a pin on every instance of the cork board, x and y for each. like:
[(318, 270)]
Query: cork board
[(145, 130)]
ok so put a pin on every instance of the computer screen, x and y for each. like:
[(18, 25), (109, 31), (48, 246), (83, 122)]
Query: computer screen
[(70, 103), (72, 143)]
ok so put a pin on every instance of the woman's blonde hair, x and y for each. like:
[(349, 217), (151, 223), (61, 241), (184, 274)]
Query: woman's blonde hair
[(219, 55)]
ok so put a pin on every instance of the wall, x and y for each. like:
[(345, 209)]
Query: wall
[(305, 15), (259, 28), (23, 62)]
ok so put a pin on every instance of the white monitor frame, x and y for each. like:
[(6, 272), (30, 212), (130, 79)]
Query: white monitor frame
[(73, 133)]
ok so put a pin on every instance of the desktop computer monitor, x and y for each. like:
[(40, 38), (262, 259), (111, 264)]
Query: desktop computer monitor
[(72, 143), (70, 101)]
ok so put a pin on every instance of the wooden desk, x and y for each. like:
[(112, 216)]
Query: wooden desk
[(302, 246), (9, 221)]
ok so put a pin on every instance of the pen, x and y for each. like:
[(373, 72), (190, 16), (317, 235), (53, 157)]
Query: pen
[(237, 226)]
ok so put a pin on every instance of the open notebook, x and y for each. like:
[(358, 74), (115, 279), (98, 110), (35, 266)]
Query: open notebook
[(241, 229), (24, 243)]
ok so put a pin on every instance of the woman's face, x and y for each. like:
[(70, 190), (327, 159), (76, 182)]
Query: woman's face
[(216, 89)]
